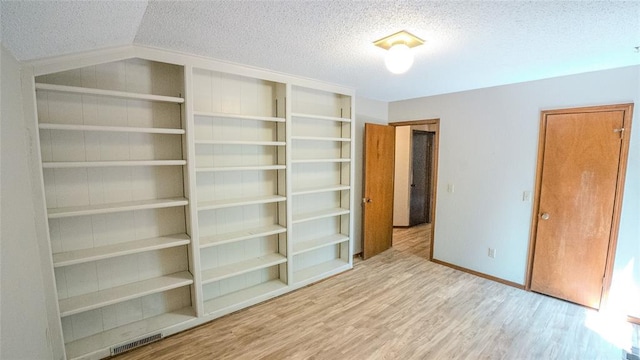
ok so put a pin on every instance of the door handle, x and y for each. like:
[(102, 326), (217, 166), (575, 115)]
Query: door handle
[(544, 216), (413, 185), (366, 200)]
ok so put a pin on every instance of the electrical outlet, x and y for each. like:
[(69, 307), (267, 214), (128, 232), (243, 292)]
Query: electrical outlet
[(526, 196), (451, 188), (492, 253)]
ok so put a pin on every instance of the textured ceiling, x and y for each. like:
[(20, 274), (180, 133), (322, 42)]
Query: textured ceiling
[(468, 44)]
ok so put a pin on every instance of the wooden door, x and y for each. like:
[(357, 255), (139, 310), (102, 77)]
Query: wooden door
[(379, 161), (581, 174)]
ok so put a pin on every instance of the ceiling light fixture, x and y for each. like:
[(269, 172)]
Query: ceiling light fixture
[(399, 58)]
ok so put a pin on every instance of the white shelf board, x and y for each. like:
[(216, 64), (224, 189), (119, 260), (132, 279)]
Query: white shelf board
[(68, 127), (87, 164), (55, 213), (238, 116), (242, 267), (102, 298), (218, 204), (240, 142), (297, 218), (109, 93), (318, 243), (126, 248), (319, 117), (241, 168), (336, 160), (319, 138), (213, 240), (318, 271), (319, 189), (238, 297), (128, 332)]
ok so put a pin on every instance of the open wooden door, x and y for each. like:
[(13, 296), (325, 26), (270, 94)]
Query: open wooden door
[(580, 179), (379, 158)]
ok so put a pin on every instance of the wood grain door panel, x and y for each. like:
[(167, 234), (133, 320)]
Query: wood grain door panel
[(379, 162), (576, 204)]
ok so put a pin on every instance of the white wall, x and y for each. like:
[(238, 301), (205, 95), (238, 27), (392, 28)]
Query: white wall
[(367, 111), (24, 318), (402, 178), (488, 150)]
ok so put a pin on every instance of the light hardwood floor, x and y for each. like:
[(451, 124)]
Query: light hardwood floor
[(398, 305)]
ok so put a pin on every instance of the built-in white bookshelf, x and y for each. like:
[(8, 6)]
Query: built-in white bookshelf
[(322, 149), (111, 140), (180, 190), (240, 165)]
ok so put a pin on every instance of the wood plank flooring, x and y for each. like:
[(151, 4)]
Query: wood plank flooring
[(398, 305), (413, 240)]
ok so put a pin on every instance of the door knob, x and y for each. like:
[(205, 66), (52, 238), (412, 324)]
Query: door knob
[(544, 216), (366, 200)]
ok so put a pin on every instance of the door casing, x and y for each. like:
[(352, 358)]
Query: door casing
[(617, 207)]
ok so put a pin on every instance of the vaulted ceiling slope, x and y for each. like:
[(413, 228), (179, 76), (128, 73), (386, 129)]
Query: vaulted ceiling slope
[(469, 45)]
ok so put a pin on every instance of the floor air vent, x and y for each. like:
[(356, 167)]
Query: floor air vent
[(633, 355), (134, 344)]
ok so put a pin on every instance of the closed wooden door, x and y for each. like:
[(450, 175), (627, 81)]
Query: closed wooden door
[(580, 178), (379, 160)]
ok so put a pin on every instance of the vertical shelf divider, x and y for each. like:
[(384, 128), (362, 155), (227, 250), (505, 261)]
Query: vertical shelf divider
[(191, 192), (351, 126), (289, 171)]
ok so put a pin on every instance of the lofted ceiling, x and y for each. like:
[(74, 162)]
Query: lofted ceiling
[(468, 45)]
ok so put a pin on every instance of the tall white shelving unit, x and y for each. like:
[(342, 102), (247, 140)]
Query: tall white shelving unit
[(178, 189), (322, 149), (111, 141), (240, 164)]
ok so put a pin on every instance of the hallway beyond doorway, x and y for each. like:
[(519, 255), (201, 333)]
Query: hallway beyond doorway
[(415, 240)]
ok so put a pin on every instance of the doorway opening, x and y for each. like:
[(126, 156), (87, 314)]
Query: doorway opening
[(379, 185), (415, 185)]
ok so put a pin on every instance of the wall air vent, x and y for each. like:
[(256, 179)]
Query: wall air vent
[(134, 344)]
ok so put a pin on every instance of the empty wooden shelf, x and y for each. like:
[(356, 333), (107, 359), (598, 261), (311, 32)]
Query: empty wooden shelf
[(109, 93), (55, 213), (90, 301), (120, 249)]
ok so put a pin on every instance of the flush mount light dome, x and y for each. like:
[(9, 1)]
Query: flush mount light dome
[(399, 58)]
